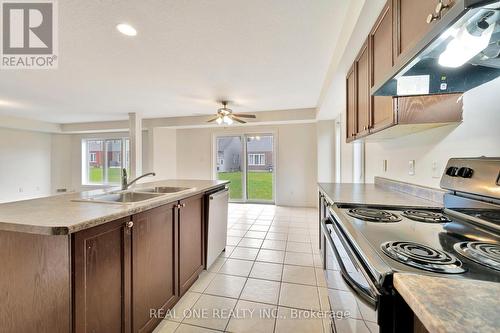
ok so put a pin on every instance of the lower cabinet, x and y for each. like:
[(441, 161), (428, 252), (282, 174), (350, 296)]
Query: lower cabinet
[(127, 270), (154, 264), (191, 241)]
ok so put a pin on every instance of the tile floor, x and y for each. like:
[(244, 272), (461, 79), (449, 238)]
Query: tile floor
[(271, 269)]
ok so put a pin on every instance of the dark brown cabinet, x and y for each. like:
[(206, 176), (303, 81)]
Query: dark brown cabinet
[(410, 21), (101, 278), (363, 91), (380, 44), (191, 241), (154, 265), (124, 269), (352, 108)]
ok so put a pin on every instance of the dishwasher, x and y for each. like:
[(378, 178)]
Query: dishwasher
[(217, 224)]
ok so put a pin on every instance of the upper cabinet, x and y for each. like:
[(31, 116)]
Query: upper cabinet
[(400, 25), (411, 21)]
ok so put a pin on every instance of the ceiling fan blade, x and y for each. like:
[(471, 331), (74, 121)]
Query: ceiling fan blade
[(243, 115), (238, 120), (213, 119)]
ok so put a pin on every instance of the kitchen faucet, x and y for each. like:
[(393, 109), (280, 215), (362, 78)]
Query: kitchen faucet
[(126, 184)]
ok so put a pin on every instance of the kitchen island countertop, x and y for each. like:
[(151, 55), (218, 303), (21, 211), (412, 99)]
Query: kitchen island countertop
[(63, 214), (449, 305)]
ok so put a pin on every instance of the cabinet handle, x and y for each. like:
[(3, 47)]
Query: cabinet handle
[(130, 224)]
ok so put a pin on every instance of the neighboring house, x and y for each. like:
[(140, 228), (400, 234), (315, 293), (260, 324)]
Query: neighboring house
[(96, 153), (259, 154), (228, 154)]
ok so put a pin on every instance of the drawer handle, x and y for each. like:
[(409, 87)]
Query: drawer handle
[(130, 224)]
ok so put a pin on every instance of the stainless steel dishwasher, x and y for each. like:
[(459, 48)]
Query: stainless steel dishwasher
[(217, 224)]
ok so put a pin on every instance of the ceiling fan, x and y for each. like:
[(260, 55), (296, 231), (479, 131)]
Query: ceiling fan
[(227, 117)]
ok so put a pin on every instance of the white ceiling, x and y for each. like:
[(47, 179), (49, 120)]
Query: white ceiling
[(263, 54)]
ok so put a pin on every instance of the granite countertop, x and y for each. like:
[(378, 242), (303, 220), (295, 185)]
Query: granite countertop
[(372, 194), (451, 305), (61, 214)]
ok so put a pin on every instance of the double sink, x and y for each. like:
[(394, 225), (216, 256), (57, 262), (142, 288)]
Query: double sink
[(134, 196)]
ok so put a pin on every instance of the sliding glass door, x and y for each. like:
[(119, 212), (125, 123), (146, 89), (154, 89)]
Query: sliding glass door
[(248, 161)]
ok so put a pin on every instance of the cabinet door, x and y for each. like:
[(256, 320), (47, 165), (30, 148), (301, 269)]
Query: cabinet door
[(101, 266), (363, 91), (410, 22), (154, 265), (191, 241), (381, 41), (351, 106)]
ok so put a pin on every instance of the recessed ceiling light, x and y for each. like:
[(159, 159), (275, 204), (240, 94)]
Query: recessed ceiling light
[(126, 29)]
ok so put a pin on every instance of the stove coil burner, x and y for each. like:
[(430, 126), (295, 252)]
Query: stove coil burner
[(423, 257), (373, 215), (487, 254), (425, 216)]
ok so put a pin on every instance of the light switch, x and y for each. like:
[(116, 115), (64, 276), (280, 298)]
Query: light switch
[(411, 167)]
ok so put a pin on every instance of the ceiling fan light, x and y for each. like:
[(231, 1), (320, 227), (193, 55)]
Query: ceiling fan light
[(227, 120), (219, 120)]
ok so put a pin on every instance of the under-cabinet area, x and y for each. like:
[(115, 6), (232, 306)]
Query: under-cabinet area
[(118, 276)]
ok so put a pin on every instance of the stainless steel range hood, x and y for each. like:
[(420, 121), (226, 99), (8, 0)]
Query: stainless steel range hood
[(461, 52)]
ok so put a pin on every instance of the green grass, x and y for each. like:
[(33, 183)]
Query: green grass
[(96, 175), (260, 185)]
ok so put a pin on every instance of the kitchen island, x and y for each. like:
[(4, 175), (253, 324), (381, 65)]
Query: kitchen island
[(71, 264)]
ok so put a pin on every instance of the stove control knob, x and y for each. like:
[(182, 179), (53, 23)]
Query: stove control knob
[(465, 172), (452, 171)]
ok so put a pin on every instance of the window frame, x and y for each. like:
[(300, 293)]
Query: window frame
[(253, 157), (86, 159)]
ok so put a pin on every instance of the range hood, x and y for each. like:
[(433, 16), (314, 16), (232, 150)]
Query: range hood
[(461, 52)]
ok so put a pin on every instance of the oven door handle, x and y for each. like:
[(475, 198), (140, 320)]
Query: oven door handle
[(369, 296)]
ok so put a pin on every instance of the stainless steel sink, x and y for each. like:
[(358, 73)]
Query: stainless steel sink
[(163, 189), (121, 197)]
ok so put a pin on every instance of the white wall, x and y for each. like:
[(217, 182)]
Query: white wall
[(163, 152), (25, 165), (478, 135), (296, 172), (326, 150)]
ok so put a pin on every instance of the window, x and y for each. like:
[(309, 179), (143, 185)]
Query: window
[(103, 160), (256, 159)]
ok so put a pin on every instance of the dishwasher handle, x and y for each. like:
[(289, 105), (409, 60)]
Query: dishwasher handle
[(218, 194)]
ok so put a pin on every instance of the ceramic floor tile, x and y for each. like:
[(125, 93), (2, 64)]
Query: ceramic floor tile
[(323, 299), (233, 241), (299, 238), (299, 296), (236, 267), (203, 281), (256, 234), (297, 321), (271, 256), (263, 291), (244, 253), (217, 264), (300, 259), (205, 312), (277, 236), (274, 245), (240, 226), (226, 285), (281, 229), (166, 326), (320, 277), (236, 232), (229, 249), (299, 274), (267, 271), (344, 301), (184, 328), (335, 280), (183, 305), (348, 325), (250, 242), (298, 247), (257, 227), (253, 318), (317, 260)]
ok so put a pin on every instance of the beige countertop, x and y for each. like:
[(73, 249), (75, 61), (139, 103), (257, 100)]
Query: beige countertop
[(61, 214), (371, 194), (446, 304)]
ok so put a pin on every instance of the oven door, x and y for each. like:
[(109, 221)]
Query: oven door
[(353, 296)]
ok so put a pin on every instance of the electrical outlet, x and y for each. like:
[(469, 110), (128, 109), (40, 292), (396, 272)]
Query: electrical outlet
[(384, 165), (436, 170), (411, 167)]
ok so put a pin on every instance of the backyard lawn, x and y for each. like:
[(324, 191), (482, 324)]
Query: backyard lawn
[(96, 175), (260, 185)]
